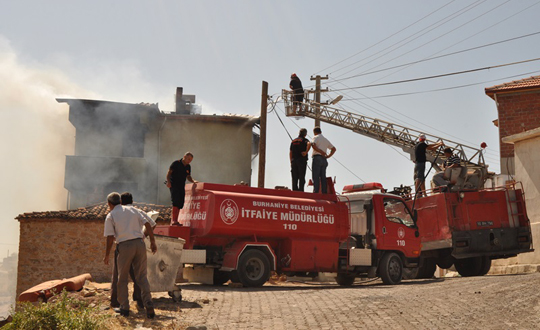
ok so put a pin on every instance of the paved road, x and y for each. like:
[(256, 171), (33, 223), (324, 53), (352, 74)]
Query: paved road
[(488, 302)]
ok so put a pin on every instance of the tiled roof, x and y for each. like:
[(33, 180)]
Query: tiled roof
[(95, 212), (527, 83)]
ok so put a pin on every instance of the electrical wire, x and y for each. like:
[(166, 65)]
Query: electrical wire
[(438, 76), (442, 89), (437, 57), (395, 33), (345, 167), (450, 46), (414, 36)]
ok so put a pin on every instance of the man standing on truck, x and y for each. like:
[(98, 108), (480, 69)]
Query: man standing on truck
[(179, 171), (446, 176), (125, 225), (320, 145), (420, 163), (298, 156), (127, 200)]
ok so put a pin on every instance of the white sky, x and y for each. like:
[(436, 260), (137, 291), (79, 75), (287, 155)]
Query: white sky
[(140, 51)]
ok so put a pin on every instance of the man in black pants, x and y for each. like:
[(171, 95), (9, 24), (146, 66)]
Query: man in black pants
[(179, 171), (420, 163), (296, 86), (298, 155)]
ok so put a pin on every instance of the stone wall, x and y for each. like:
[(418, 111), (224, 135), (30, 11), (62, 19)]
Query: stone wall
[(518, 112), (52, 249)]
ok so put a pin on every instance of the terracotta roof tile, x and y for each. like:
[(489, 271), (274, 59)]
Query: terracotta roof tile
[(527, 83), (95, 212)]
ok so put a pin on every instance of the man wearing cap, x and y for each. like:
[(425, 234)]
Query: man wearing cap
[(296, 86), (420, 163)]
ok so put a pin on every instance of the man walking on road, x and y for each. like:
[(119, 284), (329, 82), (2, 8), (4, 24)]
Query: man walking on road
[(320, 146), (125, 225), (179, 171), (298, 156)]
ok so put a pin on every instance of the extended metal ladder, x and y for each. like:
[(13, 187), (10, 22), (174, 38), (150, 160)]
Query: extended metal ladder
[(389, 133)]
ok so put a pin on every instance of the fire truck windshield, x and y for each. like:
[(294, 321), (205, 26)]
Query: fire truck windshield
[(396, 211)]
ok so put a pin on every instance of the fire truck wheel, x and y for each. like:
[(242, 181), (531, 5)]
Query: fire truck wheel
[(427, 270), (253, 268), (486, 266), (391, 268), (469, 266), (345, 279), (221, 277)]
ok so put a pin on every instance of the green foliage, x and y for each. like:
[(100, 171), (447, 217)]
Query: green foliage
[(63, 313)]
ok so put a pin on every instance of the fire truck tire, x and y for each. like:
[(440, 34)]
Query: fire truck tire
[(486, 266), (391, 268), (427, 270), (345, 279), (469, 266), (221, 277), (253, 268)]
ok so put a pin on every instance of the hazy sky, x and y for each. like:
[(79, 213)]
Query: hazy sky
[(140, 51)]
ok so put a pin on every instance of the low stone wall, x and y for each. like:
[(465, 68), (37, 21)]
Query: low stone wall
[(52, 249)]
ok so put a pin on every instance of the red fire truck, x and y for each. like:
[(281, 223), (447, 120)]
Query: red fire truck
[(468, 229), (243, 233)]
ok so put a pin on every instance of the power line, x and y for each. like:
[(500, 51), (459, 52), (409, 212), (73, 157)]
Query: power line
[(487, 28), (395, 33), (405, 41), (437, 57), (441, 89), (438, 76)]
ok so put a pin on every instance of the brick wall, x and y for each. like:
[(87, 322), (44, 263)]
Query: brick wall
[(518, 112), (52, 249)]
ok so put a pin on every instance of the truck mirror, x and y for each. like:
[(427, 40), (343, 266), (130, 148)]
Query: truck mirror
[(415, 215), (416, 234)]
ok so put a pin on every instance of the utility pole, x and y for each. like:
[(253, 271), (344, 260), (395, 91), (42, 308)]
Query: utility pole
[(262, 137), (318, 91)]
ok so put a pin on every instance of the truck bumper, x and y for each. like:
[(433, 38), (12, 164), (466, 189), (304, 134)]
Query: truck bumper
[(496, 243)]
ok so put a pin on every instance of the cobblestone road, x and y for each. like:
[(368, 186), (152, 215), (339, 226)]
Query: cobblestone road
[(488, 302)]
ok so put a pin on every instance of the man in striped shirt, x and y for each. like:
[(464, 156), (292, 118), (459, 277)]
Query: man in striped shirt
[(447, 176)]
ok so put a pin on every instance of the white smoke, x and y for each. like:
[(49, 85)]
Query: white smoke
[(36, 136)]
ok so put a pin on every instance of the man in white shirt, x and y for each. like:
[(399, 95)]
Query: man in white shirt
[(125, 225), (127, 200), (320, 146)]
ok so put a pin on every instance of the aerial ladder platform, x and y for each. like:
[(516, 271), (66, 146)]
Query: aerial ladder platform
[(472, 160)]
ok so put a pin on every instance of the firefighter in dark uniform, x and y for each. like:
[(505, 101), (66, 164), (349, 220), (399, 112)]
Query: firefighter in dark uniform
[(298, 155), (296, 87)]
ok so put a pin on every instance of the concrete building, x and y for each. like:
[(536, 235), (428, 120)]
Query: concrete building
[(518, 105), (129, 147)]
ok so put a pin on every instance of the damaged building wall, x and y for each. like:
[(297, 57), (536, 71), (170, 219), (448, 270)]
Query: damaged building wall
[(129, 147), (221, 150), (51, 249)]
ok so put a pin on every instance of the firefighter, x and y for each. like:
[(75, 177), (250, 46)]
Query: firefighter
[(446, 176), (298, 155), (296, 87), (420, 163), (179, 171)]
